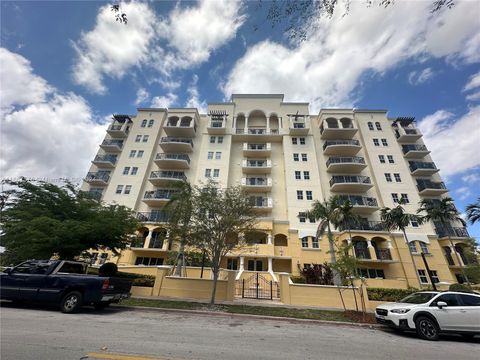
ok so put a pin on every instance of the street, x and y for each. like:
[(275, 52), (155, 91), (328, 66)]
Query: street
[(37, 333)]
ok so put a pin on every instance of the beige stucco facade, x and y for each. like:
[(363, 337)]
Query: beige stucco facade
[(285, 158)]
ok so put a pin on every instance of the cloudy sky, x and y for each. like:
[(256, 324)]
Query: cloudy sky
[(65, 67)]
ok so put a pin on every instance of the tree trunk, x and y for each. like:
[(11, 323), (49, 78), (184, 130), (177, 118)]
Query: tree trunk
[(341, 297), (214, 290), (354, 296), (413, 260), (458, 259), (180, 260), (337, 280)]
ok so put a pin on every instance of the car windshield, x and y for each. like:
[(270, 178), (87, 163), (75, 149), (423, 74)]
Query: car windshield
[(418, 298)]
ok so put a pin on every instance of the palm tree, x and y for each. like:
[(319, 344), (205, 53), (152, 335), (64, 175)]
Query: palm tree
[(398, 219), (443, 212), (473, 212)]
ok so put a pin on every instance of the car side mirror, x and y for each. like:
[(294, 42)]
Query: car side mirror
[(7, 270), (441, 304)]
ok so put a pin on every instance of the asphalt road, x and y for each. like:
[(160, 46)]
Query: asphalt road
[(37, 333)]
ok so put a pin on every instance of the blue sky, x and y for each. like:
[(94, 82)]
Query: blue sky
[(67, 66)]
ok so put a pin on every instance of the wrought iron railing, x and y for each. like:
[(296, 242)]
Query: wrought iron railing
[(414, 165), (118, 143), (257, 181), (364, 226), (162, 156), (340, 142), (169, 139), (165, 174), (358, 200), (383, 254), (426, 184), (106, 158), (451, 231), (413, 147), (93, 176), (345, 179), (361, 253), (159, 194), (153, 216), (345, 159)]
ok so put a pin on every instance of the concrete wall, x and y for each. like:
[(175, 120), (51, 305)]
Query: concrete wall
[(141, 291)]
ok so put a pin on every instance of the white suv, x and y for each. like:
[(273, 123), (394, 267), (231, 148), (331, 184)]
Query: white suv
[(431, 313)]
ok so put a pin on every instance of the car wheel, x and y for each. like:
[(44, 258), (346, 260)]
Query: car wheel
[(101, 305), (427, 328), (71, 302)]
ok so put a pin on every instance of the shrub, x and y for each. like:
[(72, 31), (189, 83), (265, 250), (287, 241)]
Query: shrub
[(318, 274), (108, 269), (460, 288), (137, 279), (147, 281), (382, 294), (298, 279)]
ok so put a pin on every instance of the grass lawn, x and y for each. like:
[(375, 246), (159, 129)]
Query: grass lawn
[(248, 309)]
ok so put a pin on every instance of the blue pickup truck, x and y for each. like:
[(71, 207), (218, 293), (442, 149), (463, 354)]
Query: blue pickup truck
[(63, 283)]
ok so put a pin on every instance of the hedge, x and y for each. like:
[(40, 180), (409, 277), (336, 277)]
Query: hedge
[(137, 279), (298, 279), (382, 294)]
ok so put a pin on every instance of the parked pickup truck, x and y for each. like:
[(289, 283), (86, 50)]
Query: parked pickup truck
[(63, 283)]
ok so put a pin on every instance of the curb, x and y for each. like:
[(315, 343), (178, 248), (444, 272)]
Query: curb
[(252, 316)]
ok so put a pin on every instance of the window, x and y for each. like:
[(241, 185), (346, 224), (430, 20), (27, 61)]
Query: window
[(388, 177), (470, 300), (298, 175), (138, 138), (208, 172), (309, 195), (140, 153), (145, 138), (119, 189), (134, 170), (424, 247), (220, 140), (216, 172), (381, 158), (405, 199), (434, 275), (132, 153), (294, 141), (413, 247), (144, 123), (390, 159), (210, 155), (126, 170), (423, 276), (218, 155), (371, 273), (305, 242), (299, 195), (304, 157), (295, 157), (306, 175), (397, 177), (315, 244), (450, 299), (128, 188), (375, 142), (150, 123), (414, 223), (212, 139), (302, 218), (370, 125), (395, 198), (148, 261), (378, 126), (302, 141), (232, 264), (384, 142)]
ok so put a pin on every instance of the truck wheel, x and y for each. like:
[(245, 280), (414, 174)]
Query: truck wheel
[(71, 302), (101, 305), (427, 328)]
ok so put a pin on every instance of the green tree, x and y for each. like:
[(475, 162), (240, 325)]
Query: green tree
[(443, 212), (473, 212), (398, 219), (41, 219)]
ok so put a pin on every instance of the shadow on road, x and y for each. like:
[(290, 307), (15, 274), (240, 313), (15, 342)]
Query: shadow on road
[(85, 310), (443, 337)]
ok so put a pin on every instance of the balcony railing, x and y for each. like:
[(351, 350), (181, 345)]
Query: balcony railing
[(153, 216), (257, 181), (94, 194), (413, 147), (117, 143), (339, 179), (407, 132), (165, 174), (216, 123), (93, 176), (106, 158), (340, 142), (362, 253), (415, 165), (299, 125), (115, 127), (383, 254), (259, 202), (422, 185), (257, 163), (358, 200), (451, 231), (169, 139), (343, 160), (159, 194), (163, 156), (364, 226), (257, 131), (138, 242), (257, 147)]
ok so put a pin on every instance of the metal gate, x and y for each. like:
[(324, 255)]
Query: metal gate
[(258, 287)]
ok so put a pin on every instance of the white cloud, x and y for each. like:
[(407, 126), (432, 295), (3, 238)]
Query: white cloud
[(327, 67), (471, 178), (419, 77), (442, 133), (463, 192), (52, 134), (473, 97), (194, 100), (163, 101), (473, 83), (142, 96)]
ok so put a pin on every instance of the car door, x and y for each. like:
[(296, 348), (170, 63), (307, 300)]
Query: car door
[(470, 312), (14, 280), (448, 317)]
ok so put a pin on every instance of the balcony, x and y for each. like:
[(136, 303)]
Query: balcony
[(166, 177), (257, 183), (105, 161), (112, 145), (330, 132), (158, 197), (152, 217), (383, 254), (257, 166), (408, 135), (261, 204), (352, 164), (216, 127), (176, 145), (341, 147), (172, 161), (95, 194), (250, 149), (415, 151), (361, 204), (119, 131), (97, 178), (362, 254), (298, 128), (350, 183), (431, 188), (138, 243), (260, 134), (418, 168), (458, 232), (365, 226), (179, 128)]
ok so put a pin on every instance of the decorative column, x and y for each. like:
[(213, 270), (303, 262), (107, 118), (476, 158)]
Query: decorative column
[(146, 244), (270, 269), (268, 125), (241, 268), (371, 250), (246, 125), (269, 239)]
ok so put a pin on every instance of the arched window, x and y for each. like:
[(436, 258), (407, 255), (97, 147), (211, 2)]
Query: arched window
[(370, 125), (378, 126)]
